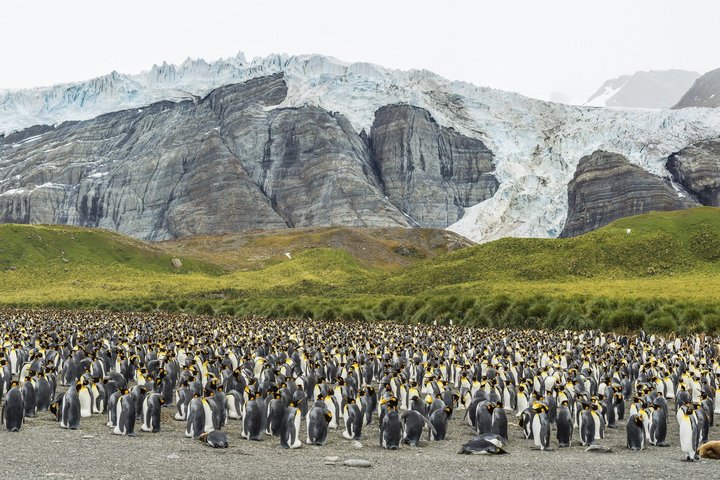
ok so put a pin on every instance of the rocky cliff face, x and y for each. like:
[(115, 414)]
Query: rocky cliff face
[(606, 186), (432, 173), (705, 92), (697, 169), (235, 161), (535, 149)]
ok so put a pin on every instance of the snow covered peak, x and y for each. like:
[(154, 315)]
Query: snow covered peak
[(537, 145)]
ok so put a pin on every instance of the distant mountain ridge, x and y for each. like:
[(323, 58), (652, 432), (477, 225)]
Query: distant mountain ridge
[(705, 92), (653, 89)]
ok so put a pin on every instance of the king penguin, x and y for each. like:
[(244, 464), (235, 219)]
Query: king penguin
[(13, 413), (126, 416), (564, 425), (290, 430), (636, 431), (412, 427), (541, 427), (151, 412), (70, 409), (391, 427), (689, 433), (317, 420), (353, 420)]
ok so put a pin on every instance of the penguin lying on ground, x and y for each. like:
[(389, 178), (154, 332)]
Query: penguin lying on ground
[(215, 439), (484, 444)]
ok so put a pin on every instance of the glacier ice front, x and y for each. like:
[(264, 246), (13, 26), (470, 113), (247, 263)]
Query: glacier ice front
[(536, 144)]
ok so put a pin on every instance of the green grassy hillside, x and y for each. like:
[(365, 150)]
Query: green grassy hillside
[(662, 275), (665, 246)]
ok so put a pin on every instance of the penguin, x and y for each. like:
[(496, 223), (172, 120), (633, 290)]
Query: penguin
[(587, 426), (369, 404), (275, 415), (541, 426), (125, 415), (55, 407), (332, 404), (70, 408), (138, 393), (86, 400), (13, 412), (471, 411), (317, 422), (151, 412), (391, 429), (703, 422), (28, 392), (254, 420), (182, 400), (353, 420), (97, 390), (439, 420), (300, 399), (619, 404), (636, 432), (290, 430), (499, 421), (214, 439), (484, 445), (412, 427), (526, 418), (658, 426), (600, 422), (564, 424), (112, 406), (689, 433), (233, 404), (483, 417), (195, 423), (521, 400)]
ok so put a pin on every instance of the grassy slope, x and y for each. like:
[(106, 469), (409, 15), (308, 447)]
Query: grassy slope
[(670, 256), (666, 254), (42, 263), (55, 263), (375, 248)]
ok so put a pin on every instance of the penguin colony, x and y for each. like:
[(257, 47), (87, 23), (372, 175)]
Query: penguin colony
[(295, 380)]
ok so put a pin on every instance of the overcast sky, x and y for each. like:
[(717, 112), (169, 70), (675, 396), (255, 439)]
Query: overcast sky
[(534, 47)]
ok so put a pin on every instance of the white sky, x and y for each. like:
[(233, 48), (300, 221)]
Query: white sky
[(534, 47)]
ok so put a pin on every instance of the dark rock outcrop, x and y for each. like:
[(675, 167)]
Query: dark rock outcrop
[(705, 92), (697, 169), (606, 186), (430, 172), (234, 161)]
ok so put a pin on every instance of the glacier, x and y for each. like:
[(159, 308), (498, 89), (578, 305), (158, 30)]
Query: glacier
[(537, 144)]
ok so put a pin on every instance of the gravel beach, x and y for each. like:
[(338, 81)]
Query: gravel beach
[(43, 450)]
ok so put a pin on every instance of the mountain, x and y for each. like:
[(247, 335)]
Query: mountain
[(310, 141), (705, 92), (654, 89)]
